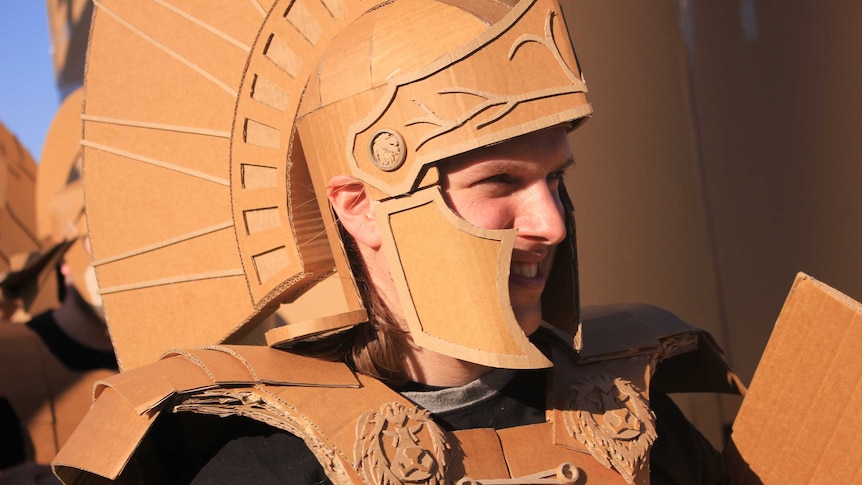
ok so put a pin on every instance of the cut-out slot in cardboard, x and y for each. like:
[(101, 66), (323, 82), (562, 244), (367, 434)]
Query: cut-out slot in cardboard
[(258, 176), (259, 134), (269, 93), (260, 220), (269, 263)]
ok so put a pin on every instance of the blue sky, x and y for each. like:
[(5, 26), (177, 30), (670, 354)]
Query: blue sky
[(28, 93)]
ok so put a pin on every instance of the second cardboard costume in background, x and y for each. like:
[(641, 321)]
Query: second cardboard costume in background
[(56, 344)]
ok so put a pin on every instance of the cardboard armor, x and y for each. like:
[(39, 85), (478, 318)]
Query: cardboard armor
[(48, 398), (228, 122), (599, 424), (273, 104)]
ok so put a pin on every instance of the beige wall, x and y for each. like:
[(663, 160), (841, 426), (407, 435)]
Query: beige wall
[(779, 118), (708, 177)]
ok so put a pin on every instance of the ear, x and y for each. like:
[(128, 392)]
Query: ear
[(350, 202)]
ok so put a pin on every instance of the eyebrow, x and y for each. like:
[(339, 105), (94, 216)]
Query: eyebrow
[(497, 165), (568, 162)]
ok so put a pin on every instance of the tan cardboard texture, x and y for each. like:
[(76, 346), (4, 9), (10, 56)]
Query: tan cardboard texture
[(241, 224), (19, 243), (17, 193), (798, 422), (48, 398), (59, 216), (60, 196), (221, 179), (59, 167), (337, 411)]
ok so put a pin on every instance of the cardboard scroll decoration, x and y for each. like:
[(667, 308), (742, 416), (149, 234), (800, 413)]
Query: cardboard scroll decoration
[(198, 227)]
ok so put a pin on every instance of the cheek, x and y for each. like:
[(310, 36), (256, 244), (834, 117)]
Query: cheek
[(484, 213)]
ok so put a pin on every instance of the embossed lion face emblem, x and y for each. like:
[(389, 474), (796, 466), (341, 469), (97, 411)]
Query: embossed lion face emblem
[(387, 150), (612, 419), (400, 445)]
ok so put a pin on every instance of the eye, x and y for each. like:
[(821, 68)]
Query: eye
[(555, 178), (500, 179)]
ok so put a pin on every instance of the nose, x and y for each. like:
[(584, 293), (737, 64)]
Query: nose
[(541, 215)]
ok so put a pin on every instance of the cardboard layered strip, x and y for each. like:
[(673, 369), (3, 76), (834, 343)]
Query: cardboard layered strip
[(799, 422)]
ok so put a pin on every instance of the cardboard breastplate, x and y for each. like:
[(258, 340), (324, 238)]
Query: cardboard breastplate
[(599, 427)]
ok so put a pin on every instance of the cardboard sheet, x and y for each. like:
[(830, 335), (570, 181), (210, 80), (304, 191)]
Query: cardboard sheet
[(799, 422)]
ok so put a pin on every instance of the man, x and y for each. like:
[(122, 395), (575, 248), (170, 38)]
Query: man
[(425, 144)]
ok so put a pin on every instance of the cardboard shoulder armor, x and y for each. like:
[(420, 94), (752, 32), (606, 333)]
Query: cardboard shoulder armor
[(206, 156), (598, 421)]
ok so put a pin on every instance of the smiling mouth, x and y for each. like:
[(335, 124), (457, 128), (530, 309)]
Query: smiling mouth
[(527, 270)]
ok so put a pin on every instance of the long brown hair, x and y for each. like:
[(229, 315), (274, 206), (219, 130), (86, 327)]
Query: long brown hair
[(372, 348)]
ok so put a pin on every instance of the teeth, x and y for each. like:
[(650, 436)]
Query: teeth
[(528, 270)]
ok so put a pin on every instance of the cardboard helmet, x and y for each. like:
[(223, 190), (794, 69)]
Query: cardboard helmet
[(238, 117), (391, 116)]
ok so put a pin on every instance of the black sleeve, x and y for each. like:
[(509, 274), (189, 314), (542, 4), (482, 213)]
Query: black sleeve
[(186, 448), (681, 454), (12, 441), (269, 456), (75, 356)]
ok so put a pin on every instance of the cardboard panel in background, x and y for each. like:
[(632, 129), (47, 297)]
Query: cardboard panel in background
[(799, 422), (721, 159)]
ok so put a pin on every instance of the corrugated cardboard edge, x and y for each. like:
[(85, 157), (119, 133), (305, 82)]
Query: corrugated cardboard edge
[(126, 405), (799, 422)]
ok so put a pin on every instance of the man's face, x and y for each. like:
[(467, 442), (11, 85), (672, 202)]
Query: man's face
[(515, 185)]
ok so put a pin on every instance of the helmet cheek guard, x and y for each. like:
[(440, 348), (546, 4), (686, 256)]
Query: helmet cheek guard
[(453, 282)]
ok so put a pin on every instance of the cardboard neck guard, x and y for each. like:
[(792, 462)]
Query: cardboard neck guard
[(297, 394)]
